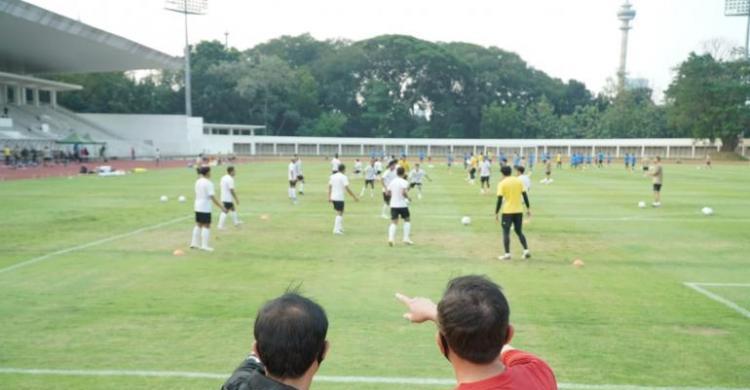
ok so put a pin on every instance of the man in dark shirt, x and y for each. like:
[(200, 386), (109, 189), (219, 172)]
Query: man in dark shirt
[(290, 344)]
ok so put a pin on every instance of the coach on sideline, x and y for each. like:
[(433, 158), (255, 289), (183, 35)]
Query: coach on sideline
[(290, 344), (474, 335)]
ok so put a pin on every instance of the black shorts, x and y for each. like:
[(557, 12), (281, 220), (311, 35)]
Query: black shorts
[(292, 183), (370, 183), (485, 179), (386, 198), (229, 206), (357, 171), (645, 168), (402, 212), (657, 187), (300, 178), (203, 218), (412, 185), (509, 220), (338, 205), (378, 173)]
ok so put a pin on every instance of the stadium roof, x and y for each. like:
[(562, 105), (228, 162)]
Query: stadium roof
[(34, 40)]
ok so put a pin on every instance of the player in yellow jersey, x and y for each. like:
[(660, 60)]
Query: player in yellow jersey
[(510, 194)]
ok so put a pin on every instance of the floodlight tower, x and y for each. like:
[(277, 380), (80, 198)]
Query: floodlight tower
[(187, 7), (740, 8), (626, 15)]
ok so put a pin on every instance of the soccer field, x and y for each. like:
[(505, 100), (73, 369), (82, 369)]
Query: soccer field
[(91, 295)]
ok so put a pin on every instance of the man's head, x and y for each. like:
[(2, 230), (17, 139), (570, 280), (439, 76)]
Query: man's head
[(520, 169), (392, 164), (658, 159), (204, 171), (400, 171), (416, 166), (230, 170), (505, 170), (473, 317), (290, 336), (342, 168)]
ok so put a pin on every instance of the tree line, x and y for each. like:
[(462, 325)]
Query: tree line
[(401, 86)]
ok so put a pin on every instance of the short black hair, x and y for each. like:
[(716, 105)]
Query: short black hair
[(505, 170), (400, 171), (342, 168), (290, 332), (473, 317), (230, 169), (521, 169), (203, 170)]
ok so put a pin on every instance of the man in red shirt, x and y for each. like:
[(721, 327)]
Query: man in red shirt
[(474, 335)]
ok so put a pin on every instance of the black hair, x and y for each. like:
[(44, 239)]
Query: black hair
[(290, 332), (505, 170), (473, 317), (230, 169), (342, 168), (203, 171), (521, 169), (400, 171)]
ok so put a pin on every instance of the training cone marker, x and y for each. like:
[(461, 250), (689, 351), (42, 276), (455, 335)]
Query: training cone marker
[(178, 252), (164, 198), (181, 199), (578, 263)]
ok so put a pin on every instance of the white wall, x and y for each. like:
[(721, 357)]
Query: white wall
[(172, 134)]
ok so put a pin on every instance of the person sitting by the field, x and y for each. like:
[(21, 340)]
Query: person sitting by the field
[(290, 344), (474, 335)]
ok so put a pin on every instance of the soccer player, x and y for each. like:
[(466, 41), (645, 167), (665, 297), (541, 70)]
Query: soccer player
[(559, 160), (357, 167), (228, 198), (292, 176), (204, 197), (525, 179), (547, 172), (708, 161), (416, 176), (398, 191), (335, 163), (385, 180), (509, 194), (157, 156), (485, 169), (378, 167), (370, 175), (657, 177), (450, 162), (473, 165), (299, 174), (338, 183)]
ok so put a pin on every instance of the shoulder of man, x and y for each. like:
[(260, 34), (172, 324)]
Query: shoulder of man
[(533, 365), (250, 376)]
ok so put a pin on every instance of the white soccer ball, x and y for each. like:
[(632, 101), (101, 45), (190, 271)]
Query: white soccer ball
[(707, 211), (642, 204), (181, 199), (164, 198), (466, 220)]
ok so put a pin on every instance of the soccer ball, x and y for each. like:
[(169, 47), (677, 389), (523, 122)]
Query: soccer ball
[(181, 199), (707, 211), (466, 221), (164, 198), (642, 204)]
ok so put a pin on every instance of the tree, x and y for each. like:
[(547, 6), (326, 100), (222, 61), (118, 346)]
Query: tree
[(329, 124), (501, 122), (708, 99)]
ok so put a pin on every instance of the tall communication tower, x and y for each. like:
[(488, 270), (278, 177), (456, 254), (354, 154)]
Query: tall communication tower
[(626, 15), (187, 7)]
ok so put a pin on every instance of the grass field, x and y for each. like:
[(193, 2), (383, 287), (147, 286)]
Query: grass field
[(126, 303)]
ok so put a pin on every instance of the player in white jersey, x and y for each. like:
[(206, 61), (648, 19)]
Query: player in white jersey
[(378, 167), (228, 198), (338, 184), (291, 174), (335, 163), (398, 189), (385, 180), (300, 176), (204, 197), (370, 174), (416, 176), (525, 179), (485, 169), (357, 167)]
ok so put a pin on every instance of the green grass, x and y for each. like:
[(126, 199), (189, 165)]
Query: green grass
[(625, 318)]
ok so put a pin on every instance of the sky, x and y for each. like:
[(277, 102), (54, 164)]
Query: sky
[(574, 39)]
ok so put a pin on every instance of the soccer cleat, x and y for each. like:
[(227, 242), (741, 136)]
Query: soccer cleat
[(195, 247), (301, 193), (408, 242), (238, 223), (384, 216), (338, 232), (207, 249), (526, 254), (504, 257), (656, 204), (220, 227)]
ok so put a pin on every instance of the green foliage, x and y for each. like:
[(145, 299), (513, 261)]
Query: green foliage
[(329, 124), (502, 121), (708, 99)]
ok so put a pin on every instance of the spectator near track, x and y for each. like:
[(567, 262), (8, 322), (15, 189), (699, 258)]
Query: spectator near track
[(290, 344), (474, 334)]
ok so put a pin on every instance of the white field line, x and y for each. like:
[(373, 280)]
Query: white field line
[(718, 298), (90, 244), (327, 378)]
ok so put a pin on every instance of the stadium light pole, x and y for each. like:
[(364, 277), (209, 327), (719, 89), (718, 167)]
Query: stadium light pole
[(187, 7), (740, 8)]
